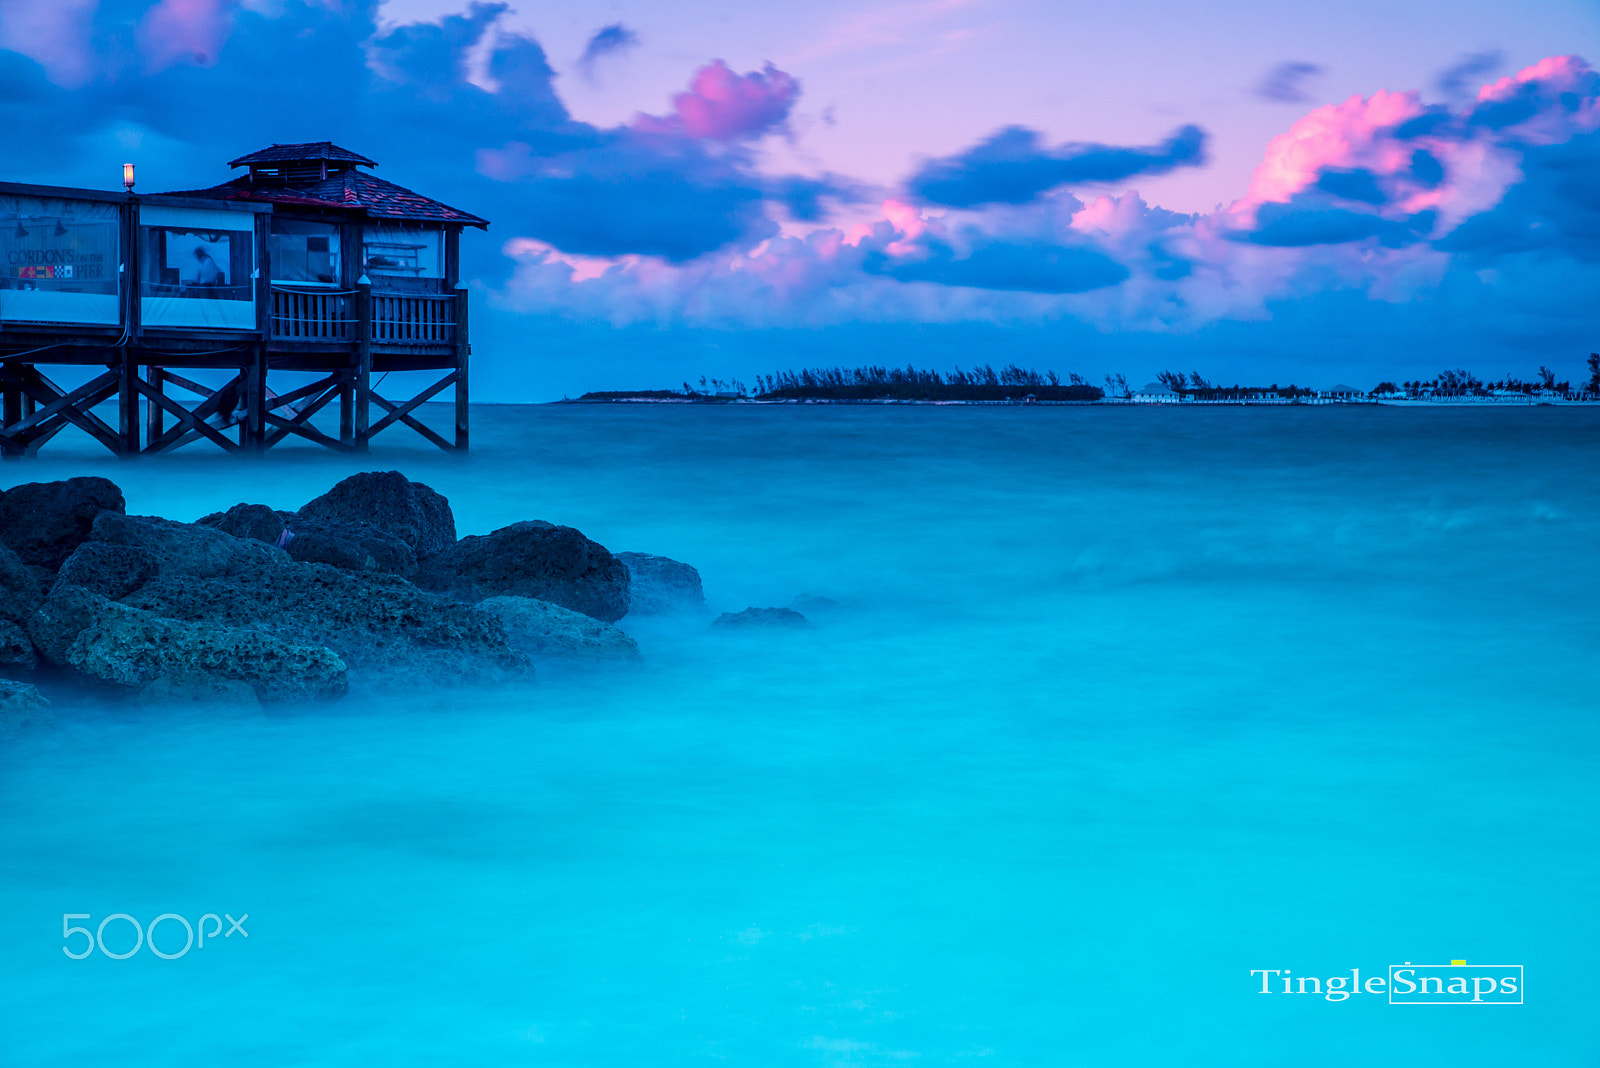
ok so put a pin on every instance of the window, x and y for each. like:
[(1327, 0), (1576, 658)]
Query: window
[(59, 260), (402, 252), (198, 268), (304, 253)]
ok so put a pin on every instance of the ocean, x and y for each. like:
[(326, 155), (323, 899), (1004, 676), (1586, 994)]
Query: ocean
[(1115, 711)]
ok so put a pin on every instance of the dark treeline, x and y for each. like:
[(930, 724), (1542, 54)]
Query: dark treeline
[(912, 383), (1196, 386)]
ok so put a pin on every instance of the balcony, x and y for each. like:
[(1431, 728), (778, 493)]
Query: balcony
[(401, 322)]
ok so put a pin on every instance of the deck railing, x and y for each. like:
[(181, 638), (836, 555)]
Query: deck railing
[(313, 315), (333, 316), (413, 319)]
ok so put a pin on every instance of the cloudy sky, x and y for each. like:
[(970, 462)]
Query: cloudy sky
[(1259, 191)]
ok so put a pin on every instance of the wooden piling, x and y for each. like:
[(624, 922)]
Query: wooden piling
[(463, 352)]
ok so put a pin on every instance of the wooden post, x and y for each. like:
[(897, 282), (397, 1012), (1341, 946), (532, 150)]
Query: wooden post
[(463, 351), (347, 411), (363, 386), (155, 416), (128, 402), (253, 435), (11, 415)]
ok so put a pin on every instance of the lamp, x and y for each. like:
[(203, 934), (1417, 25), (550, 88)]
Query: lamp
[(127, 177), (19, 231), (61, 228)]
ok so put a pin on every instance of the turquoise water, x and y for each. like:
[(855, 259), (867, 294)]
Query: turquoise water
[(1116, 706)]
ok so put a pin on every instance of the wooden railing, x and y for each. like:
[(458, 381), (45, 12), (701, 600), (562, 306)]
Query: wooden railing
[(313, 315), (334, 316), (413, 319)]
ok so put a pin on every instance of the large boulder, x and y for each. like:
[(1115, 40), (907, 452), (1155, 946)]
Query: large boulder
[(21, 706), (392, 503), (351, 546), (534, 559), (44, 521), (16, 648), (56, 624), (542, 629), (248, 521), (19, 589), (383, 627), (109, 570), (661, 586), (186, 548), (354, 546), (128, 646)]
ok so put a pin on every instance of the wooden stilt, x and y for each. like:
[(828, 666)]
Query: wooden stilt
[(10, 412), (363, 385), (155, 414), (347, 410), (128, 403), (253, 428), (463, 351)]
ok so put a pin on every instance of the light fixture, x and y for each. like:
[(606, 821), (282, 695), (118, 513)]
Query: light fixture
[(61, 229), (127, 177), (19, 231)]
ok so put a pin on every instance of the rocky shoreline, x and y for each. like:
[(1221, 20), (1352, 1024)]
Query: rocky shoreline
[(365, 588)]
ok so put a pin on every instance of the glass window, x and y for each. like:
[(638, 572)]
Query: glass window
[(58, 260), (402, 252), (304, 253), (198, 268)]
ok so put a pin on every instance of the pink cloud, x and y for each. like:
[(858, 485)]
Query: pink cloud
[(1337, 135), (723, 106), (191, 31)]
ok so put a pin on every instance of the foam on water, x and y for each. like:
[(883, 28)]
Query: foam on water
[(1115, 706)]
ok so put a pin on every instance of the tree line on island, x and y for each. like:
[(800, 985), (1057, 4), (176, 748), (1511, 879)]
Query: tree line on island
[(1021, 384)]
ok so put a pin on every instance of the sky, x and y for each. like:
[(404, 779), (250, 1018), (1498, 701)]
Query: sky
[(1261, 192)]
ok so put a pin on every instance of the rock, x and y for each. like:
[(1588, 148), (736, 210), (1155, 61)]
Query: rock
[(660, 586), (382, 626), (109, 570), (21, 706), (248, 521), (186, 548), (353, 547), (810, 602), (44, 521), (752, 618), (131, 647), (392, 503), (19, 589), (16, 648), (540, 628), (57, 622), (170, 691), (534, 559)]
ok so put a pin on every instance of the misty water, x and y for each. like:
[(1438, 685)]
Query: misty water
[(1114, 706)]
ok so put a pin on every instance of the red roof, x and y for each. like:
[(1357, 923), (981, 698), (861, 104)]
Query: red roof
[(310, 151), (351, 190)]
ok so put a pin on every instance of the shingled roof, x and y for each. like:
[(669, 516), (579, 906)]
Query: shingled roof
[(311, 150), (344, 188)]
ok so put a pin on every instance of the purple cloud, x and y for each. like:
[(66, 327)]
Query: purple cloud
[(1285, 83), (609, 40), (723, 106), (1012, 166)]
